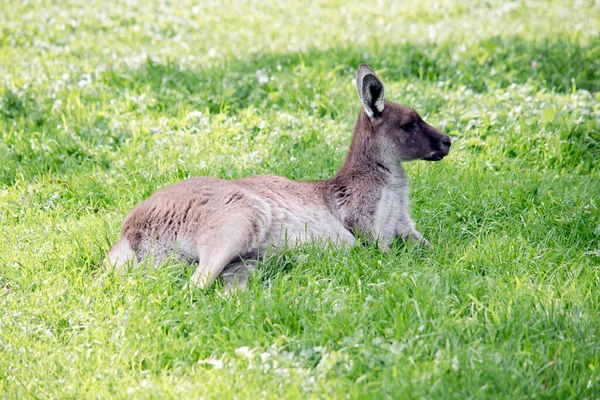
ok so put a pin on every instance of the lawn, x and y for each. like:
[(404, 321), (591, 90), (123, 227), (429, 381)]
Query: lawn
[(102, 103)]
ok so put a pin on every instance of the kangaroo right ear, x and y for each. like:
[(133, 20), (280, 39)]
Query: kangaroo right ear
[(370, 91)]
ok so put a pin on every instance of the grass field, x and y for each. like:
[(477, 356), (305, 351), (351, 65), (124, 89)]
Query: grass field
[(101, 103)]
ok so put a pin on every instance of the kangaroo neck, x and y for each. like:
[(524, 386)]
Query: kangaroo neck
[(365, 173), (366, 160)]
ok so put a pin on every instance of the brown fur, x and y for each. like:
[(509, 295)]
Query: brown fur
[(223, 227)]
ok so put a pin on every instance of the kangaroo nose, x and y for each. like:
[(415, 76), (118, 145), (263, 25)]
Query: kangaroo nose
[(447, 141)]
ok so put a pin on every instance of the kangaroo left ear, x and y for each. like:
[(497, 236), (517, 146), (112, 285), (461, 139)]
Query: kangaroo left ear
[(370, 91)]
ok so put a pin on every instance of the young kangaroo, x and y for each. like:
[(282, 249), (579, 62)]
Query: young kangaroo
[(224, 227)]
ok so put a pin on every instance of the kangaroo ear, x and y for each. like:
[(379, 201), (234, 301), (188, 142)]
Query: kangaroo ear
[(370, 91)]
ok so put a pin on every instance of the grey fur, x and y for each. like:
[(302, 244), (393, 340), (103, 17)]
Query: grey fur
[(223, 227)]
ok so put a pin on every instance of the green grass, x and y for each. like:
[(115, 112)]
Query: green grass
[(101, 104)]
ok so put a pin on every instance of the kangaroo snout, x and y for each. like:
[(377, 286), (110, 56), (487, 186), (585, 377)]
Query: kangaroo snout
[(440, 145), (445, 144)]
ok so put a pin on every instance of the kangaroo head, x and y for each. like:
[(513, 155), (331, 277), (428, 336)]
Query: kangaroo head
[(401, 133)]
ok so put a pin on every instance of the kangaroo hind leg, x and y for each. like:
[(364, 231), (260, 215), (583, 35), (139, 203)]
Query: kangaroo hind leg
[(217, 249)]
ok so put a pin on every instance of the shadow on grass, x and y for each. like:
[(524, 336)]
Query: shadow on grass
[(312, 81), (265, 79)]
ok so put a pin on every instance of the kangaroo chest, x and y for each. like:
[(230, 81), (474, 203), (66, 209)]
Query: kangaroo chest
[(391, 208)]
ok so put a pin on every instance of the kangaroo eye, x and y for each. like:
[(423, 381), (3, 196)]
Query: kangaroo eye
[(408, 127)]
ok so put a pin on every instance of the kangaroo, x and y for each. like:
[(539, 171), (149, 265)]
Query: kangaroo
[(225, 226)]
